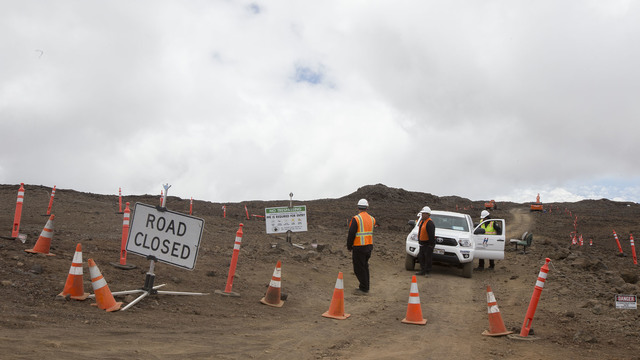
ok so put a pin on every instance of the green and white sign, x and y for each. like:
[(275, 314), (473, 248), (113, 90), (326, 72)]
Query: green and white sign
[(283, 219)]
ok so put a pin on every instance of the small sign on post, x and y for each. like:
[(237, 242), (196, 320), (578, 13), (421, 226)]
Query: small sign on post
[(171, 237), (626, 302)]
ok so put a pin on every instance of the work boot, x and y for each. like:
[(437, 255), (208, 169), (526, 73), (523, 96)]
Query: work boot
[(421, 272), (359, 291), (479, 268)]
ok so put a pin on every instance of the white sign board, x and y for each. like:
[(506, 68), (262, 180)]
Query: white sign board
[(626, 302), (283, 219), (171, 237)]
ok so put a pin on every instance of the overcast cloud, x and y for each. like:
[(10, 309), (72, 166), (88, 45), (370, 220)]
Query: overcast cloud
[(240, 100)]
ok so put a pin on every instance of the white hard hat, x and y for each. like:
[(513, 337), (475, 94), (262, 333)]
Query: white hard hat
[(426, 210), (484, 214), (363, 204)]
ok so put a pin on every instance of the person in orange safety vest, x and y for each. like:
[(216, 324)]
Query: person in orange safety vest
[(360, 243), (427, 241)]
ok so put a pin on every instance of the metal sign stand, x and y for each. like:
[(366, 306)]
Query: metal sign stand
[(149, 288), (289, 232)]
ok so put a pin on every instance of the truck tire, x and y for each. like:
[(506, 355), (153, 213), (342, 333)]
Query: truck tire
[(467, 270), (409, 262)]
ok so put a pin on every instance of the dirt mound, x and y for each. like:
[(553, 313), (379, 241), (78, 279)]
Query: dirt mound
[(576, 316)]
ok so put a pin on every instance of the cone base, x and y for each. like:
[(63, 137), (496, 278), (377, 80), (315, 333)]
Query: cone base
[(421, 322), (223, 293), (503, 333), (38, 252), (123, 267), (338, 317), (80, 297), (278, 304), (115, 306), (8, 237), (518, 337)]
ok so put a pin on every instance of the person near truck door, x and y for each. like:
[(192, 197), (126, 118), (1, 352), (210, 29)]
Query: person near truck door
[(427, 241), (360, 243), (490, 228)]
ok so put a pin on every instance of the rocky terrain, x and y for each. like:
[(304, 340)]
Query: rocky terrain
[(575, 318)]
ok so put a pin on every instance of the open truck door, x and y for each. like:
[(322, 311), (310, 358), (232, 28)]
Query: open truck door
[(489, 246)]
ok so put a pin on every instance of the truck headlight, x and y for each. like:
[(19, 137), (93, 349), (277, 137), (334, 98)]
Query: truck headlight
[(465, 243), (413, 237)]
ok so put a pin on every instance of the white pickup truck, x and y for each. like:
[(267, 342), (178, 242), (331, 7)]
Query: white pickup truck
[(458, 242)]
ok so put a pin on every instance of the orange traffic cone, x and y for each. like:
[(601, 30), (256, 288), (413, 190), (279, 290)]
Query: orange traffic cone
[(272, 297), (336, 309), (414, 311), (496, 325), (104, 298), (74, 286), (44, 241)]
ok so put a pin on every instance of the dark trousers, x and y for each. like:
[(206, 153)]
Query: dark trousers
[(425, 255), (492, 263), (360, 256)]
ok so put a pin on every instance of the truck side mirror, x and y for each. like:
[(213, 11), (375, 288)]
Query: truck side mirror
[(478, 231), (412, 222)]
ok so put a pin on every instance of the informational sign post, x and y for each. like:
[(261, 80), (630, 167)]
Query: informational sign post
[(626, 302), (284, 219), (169, 236)]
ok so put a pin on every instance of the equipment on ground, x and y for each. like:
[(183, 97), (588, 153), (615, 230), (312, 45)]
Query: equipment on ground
[(491, 205)]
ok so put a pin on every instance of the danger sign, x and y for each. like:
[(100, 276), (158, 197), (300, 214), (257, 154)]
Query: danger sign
[(169, 236), (626, 302)]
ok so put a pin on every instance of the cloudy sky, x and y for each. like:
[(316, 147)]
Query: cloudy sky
[(251, 100)]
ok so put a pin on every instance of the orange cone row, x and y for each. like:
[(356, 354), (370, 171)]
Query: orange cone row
[(74, 285), (104, 298), (44, 241), (336, 308), (272, 297), (414, 311), (496, 325)]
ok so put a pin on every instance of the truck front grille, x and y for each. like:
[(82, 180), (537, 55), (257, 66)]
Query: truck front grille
[(446, 241)]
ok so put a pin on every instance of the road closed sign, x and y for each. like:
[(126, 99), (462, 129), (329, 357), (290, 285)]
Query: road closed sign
[(169, 236)]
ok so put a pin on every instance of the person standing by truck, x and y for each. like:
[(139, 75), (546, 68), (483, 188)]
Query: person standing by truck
[(427, 241), (360, 243), (490, 228)]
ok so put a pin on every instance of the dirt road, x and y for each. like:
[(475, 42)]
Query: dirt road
[(573, 320)]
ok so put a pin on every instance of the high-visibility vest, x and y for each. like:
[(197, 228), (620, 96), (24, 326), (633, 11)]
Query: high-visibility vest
[(488, 228), (424, 235), (365, 223)]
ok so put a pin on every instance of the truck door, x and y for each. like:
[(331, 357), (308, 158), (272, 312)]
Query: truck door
[(490, 246)]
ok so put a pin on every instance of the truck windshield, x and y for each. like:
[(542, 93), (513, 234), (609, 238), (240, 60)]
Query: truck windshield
[(450, 222)]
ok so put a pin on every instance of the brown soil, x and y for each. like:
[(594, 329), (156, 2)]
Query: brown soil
[(575, 318)]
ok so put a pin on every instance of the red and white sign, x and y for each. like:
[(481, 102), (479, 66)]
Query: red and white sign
[(626, 302)]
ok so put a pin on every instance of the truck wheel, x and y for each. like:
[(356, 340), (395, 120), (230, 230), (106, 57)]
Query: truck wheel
[(467, 270), (409, 262)]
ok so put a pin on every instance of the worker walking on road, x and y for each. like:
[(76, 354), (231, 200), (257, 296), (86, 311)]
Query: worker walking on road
[(427, 241), (490, 228), (360, 243)]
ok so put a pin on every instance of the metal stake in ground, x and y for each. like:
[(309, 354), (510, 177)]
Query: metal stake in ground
[(232, 268)]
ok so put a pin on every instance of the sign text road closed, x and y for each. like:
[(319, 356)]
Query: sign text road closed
[(171, 237), (283, 219)]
